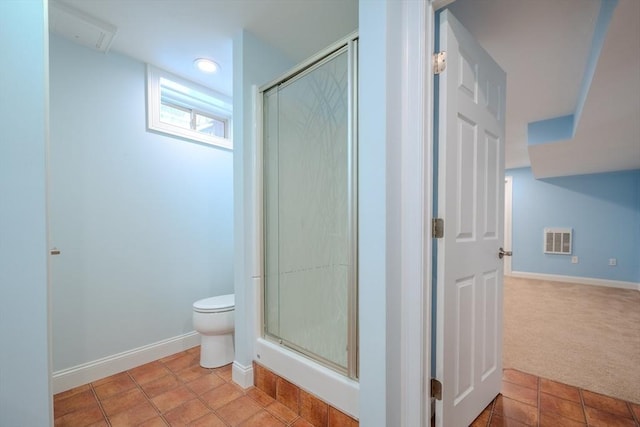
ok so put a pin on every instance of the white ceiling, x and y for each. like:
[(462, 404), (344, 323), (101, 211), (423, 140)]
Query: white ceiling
[(172, 33), (543, 45)]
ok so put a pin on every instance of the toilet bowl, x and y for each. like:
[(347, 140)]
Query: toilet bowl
[(213, 319)]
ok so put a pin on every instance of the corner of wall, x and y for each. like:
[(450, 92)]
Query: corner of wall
[(242, 374)]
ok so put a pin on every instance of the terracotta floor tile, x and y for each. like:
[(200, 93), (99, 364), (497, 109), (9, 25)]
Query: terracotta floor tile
[(499, 421), (340, 419), (173, 356), (520, 393), (71, 392), (172, 398), (81, 400), (211, 420), (482, 420), (224, 372), (205, 383), (259, 396), (598, 418), (187, 412), (109, 379), (102, 423), (222, 395), (549, 419), (160, 385), (520, 378), (239, 410), (313, 409), (81, 418), (123, 401), (564, 408), (560, 390), (192, 373), (184, 361), (288, 394), (636, 411), (605, 403), (301, 422), (281, 412), (118, 384), (262, 419), (513, 409), (149, 372), (154, 422), (134, 416)]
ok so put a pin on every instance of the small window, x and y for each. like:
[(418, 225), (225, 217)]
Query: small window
[(178, 107)]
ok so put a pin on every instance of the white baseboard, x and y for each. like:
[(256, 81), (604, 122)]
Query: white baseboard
[(242, 375), (88, 372), (576, 279)]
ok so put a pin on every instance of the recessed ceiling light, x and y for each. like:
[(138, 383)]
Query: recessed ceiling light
[(206, 65)]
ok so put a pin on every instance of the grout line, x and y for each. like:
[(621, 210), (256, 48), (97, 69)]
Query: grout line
[(146, 396), (633, 413), (584, 410), (95, 396), (493, 405)]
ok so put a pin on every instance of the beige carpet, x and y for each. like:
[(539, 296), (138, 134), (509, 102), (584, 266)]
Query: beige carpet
[(582, 335)]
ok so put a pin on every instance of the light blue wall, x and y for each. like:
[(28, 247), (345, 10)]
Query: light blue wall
[(375, 360), (144, 221), (254, 63), (25, 397), (603, 210)]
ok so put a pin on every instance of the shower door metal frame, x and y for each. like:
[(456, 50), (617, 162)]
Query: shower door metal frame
[(350, 45)]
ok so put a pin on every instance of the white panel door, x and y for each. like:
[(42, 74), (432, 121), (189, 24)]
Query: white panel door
[(471, 202)]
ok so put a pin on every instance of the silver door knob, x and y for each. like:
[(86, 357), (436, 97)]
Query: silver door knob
[(502, 253)]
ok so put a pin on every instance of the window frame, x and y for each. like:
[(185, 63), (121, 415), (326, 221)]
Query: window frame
[(222, 109)]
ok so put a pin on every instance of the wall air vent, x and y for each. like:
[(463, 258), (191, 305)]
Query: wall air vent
[(80, 27), (558, 241)]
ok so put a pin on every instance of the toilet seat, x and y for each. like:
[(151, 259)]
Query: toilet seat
[(217, 304)]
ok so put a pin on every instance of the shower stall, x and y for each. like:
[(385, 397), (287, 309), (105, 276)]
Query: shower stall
[(309, 160)]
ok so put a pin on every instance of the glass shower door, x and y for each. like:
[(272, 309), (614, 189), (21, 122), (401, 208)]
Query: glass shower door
[(309, 208)]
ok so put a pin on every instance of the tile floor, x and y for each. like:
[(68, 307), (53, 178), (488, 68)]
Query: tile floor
[(527, 400), (176, 391)]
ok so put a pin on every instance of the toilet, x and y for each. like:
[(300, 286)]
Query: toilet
[(213, 319)]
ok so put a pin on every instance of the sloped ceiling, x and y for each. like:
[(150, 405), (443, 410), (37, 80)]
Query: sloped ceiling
[(545, 47)]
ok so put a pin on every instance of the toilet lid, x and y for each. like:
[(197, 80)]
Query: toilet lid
[(215, 304)]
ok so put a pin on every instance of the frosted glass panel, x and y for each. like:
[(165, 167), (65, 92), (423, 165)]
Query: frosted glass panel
[(307, 210)]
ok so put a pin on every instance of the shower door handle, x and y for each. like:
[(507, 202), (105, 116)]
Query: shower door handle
[(502, 253)]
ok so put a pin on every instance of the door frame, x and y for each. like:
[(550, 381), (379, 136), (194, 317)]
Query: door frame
[(413, 167)]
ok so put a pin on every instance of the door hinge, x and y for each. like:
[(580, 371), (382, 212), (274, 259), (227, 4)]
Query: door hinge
[(439, 62), (437, 228), (436, 389)]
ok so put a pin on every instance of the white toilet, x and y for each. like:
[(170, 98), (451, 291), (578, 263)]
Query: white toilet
[(213, 319)]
